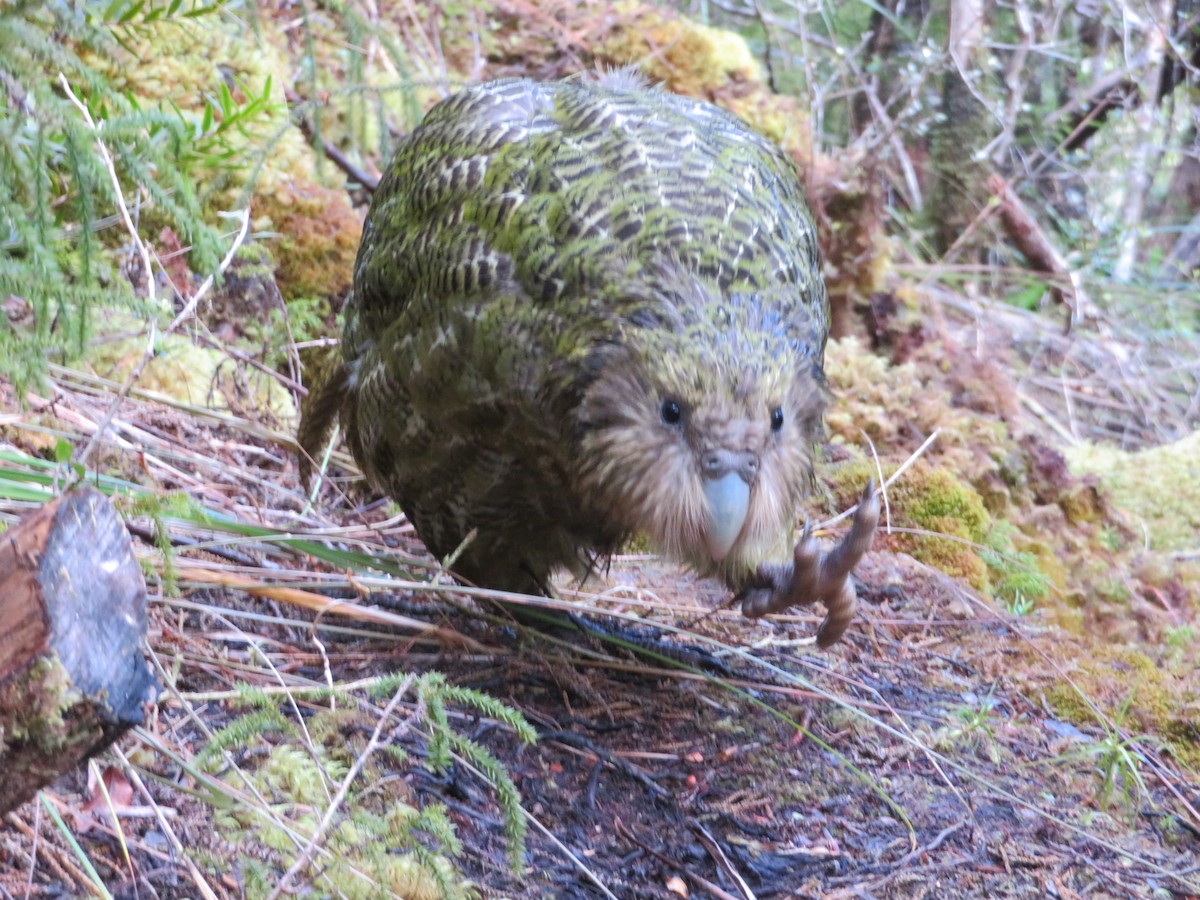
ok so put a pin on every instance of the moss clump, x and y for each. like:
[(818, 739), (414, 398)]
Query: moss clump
[(1159, 486), (1018, 575), (179, 67), (869, 392), (1183, 734), (949, 515), (196, 375), (35, 702), (701, 61), (1128, 686), (691, 58), (897, 406), (380, 847), (319, 233)]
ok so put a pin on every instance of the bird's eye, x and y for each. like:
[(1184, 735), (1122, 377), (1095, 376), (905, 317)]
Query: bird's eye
[(671, 413), (776, 418)]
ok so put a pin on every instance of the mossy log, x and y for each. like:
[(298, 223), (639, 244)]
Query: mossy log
[(72, 625)]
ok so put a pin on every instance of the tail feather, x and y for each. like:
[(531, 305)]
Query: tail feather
[(317, 413)]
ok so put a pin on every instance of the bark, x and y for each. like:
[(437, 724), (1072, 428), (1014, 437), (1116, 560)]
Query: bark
[(957, 193), (72, 624), (1033, 242)]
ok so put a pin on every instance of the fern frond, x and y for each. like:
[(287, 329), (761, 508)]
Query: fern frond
[(54, 183)]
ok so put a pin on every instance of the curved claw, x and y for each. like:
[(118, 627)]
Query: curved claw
[(760, 596), (839, 615), (756, 602), (813, 576), (806, 571), (838, 563)]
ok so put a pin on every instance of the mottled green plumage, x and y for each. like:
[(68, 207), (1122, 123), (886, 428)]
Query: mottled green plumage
[(545, 268)]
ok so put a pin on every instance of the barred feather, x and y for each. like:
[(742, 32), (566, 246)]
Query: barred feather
[(544, 264)]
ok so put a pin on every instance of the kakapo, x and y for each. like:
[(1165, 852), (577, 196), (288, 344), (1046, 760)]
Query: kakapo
[(587, 310)]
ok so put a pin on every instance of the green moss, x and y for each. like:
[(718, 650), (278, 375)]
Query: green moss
[(179, 67), (381, 846), (1159, 487), (185, 372), (948, 520), (1123, 682), (1181, 638), (701, 61), (938, 498), (35, 703), (1183, 734), (1017, 574)]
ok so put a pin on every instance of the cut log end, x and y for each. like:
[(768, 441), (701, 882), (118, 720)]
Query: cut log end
[(72, 625)]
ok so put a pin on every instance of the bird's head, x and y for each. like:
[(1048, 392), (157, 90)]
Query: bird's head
[(698, 425)]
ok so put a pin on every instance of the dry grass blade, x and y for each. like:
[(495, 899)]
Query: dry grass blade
[(322, 606)]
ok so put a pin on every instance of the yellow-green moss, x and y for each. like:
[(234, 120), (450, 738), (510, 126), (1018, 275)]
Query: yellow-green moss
[(702, 61), (1159, 702), (1017, 568), (1160, 487), (173, 64), (934, 501), (868, 395), (377, 836), (896, 406), (691, 58), (34, 703), (1183, 734), (196, 375), (177, 66)]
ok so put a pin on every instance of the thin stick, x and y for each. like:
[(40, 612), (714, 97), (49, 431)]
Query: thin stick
[(165, 827), (305, 857), (116, 183), (188, 310), (144, 252), (916, 454)]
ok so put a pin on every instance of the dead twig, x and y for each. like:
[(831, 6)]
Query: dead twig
[(722, 859), (352, 170), (322, 605), (1035, 244), (305, 858), (145, 255)]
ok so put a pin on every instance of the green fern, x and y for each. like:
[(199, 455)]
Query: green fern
[(242, 732), (158, 508), (433, 692), (54, 184)]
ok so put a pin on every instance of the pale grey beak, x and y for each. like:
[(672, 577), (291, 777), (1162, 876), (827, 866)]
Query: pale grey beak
[(728, 499)]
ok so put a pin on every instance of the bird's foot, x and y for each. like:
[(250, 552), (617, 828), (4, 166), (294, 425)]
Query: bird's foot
[(813, 575)]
